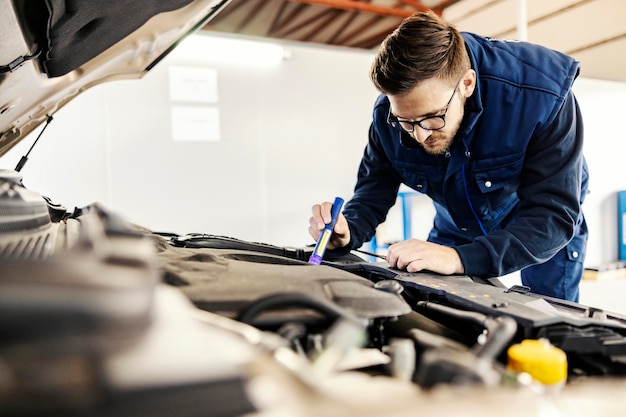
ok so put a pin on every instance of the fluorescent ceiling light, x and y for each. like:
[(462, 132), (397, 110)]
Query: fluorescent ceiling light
[(207, 48)]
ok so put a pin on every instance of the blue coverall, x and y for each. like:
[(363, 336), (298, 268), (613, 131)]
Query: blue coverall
[(508, 193)]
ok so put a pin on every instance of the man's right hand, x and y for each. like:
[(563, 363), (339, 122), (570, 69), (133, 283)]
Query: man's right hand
[(321, 217)]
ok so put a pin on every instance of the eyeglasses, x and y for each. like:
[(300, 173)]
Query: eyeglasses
[(427, 123)]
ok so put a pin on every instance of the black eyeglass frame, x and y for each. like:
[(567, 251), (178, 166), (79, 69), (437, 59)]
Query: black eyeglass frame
[(395, 122)]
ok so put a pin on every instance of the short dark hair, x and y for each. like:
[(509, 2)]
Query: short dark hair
[(424, 46)]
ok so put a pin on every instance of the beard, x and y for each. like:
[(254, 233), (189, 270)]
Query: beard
[(440, 141)]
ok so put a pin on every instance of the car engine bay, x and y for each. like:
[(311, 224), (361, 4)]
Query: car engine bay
[(103, 315)]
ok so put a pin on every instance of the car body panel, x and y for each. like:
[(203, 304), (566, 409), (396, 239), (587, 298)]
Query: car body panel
[(29, 96)]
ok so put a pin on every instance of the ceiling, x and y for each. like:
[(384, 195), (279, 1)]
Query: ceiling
[(592, 31)]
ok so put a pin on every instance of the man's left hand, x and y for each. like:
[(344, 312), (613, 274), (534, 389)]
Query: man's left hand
[(417, 255)]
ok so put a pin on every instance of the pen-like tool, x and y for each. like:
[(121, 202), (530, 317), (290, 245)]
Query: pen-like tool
[(322, 242)]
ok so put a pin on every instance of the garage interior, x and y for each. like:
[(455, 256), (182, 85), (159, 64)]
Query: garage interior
[(170, 208)]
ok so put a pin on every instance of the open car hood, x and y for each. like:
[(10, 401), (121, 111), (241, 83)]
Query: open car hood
[(53, 50)]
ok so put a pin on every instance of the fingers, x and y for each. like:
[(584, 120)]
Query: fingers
[(317, 221), (416, 255), (320, 217), (341, 233), (401, 255)]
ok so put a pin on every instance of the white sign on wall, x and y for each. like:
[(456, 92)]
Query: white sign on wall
[(193, 104), (195, 123), (193, 84)]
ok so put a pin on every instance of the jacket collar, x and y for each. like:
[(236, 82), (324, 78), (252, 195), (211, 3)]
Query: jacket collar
[(473, 105)]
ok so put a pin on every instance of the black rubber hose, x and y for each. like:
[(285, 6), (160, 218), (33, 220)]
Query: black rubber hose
[(283, 300)]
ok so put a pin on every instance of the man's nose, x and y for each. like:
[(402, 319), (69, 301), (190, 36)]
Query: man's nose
[(421, 134)]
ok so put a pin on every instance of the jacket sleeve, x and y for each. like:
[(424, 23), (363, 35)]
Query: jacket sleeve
[(374, 193), (550, 201)]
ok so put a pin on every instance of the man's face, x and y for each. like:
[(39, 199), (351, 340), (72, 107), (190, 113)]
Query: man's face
[(433, 103)]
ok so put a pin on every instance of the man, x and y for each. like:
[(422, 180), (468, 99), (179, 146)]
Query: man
[(492, 133)]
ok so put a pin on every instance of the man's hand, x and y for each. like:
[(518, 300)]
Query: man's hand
[(417, 255), (320, 218)]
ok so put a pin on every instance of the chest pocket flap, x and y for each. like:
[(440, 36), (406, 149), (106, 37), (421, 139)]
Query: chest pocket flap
[(498, 177), (413, 175)]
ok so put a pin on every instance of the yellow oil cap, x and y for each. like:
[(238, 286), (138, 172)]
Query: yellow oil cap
[(546, 363)]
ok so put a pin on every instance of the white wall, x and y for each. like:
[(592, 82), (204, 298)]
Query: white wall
[(292, 135), (602, 104)]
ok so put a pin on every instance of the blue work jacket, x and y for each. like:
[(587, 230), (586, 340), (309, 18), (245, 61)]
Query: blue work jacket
[(508, 193)]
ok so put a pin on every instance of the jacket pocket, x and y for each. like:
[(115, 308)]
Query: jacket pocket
[(412, 176), (497, 183)]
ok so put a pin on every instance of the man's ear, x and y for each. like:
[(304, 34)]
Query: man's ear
[(468, 83)]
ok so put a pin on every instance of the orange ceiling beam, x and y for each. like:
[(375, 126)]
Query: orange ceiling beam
[(364, 7), (415, 4)]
